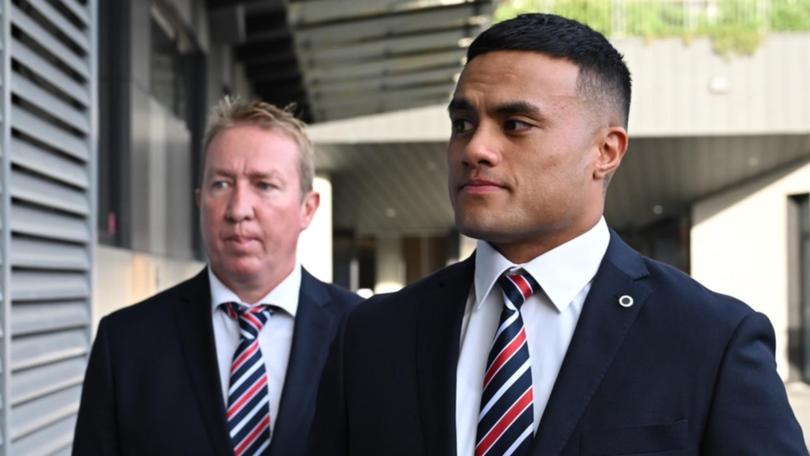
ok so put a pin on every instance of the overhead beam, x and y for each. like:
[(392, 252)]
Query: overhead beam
[(312, 57), (433, 19), (385, 67), (385, 82), (304, 13), (328, 114), (433, 92)]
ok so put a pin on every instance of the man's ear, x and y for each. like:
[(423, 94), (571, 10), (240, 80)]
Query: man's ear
[(197, 197), (308, 207), (612, 146)]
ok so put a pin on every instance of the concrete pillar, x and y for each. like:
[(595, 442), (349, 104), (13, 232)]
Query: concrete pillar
[(390, 265), (315, 243)]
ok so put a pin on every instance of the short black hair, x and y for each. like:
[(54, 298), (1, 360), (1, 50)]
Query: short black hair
[(602, 71)]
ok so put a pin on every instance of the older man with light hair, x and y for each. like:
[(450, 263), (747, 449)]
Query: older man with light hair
[(228, 361)]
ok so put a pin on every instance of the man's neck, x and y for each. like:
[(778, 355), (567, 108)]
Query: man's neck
[(254, 290)]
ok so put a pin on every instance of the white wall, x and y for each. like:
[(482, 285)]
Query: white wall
[(123, 277), (739, 246), (315, 243)]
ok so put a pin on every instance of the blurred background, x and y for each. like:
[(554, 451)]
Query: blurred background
[(105, 102)]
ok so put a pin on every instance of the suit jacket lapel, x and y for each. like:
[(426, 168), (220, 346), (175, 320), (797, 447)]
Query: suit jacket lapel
[(196, 334), (600, 331), (314, 322), (438, 331)]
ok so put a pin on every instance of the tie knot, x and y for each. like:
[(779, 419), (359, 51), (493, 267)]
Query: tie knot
[(517, 286), (251, 319)]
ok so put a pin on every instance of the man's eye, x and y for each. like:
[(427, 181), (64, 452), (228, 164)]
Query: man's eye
[(515, 125), (219, 184), (265, 185), (461, 125)]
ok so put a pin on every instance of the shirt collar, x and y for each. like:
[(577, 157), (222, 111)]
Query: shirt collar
[(283, 296), (562, 272)]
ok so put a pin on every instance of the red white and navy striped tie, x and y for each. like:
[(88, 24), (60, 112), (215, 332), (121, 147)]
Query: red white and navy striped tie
[(506, 420), (248, 413)]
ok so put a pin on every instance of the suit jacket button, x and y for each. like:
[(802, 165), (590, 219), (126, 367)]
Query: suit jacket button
[(626, 301)]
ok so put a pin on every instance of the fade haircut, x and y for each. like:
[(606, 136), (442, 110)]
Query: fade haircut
[(231, 112), (603, 75)]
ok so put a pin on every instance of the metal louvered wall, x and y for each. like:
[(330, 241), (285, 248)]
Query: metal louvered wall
[(48, 229)]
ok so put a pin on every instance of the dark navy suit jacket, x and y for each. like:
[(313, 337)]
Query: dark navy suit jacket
[(682, 371), (152, 385)]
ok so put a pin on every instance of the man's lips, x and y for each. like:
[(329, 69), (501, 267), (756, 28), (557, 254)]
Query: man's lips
[(478, 186), (239, 240)]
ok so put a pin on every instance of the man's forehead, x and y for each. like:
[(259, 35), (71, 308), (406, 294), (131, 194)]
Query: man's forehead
[(505, 68), (504, 77)]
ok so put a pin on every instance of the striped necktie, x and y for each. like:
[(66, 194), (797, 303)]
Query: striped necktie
[(248, 413), (505, 423)]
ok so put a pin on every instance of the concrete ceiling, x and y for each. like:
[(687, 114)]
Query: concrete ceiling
[(337, 59), (402, 187)]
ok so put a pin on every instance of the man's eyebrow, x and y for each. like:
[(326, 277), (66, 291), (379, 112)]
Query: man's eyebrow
[(459, 104), (220, 172), (265, 174), (518, 107), (503, 109)]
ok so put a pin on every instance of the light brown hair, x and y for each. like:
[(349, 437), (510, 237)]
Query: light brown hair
[(231, 112)]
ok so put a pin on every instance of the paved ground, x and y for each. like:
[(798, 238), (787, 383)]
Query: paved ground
[(799, 396)]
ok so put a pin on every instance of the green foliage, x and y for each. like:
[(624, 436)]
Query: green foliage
[(664, 21), (730, 39), (733, 26), (789, 16), (597, 14)]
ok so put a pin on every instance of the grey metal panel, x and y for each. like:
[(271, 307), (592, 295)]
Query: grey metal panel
[(39, 381), (48, 316), (48, 133), (47, 70), (42, 412), (54, 17), (48, 198), (25, 220), (75, 62), (36, 285), (48, 193), (42, 254), (37, 317), (79, 10), (5, 277), (48, 163), (43, 349), (53, 440), (49, 103)]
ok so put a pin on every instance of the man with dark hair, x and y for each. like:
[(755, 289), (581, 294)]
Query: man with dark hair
[(554, 338)]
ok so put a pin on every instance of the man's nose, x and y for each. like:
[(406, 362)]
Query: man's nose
[(483, 148), (240, 204)]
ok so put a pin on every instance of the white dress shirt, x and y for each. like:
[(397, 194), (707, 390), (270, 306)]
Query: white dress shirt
[(549, 316), (275, 337)]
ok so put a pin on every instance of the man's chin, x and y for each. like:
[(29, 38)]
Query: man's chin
[(477, 229), (243, 269)]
